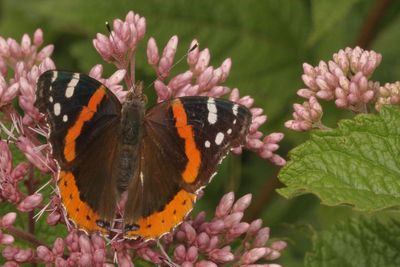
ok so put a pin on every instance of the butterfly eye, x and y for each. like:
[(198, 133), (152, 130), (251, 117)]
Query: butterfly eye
[(144, 99), (131, 227)]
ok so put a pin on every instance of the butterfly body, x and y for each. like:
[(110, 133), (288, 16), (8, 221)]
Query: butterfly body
[(161, 157), (130, 135)]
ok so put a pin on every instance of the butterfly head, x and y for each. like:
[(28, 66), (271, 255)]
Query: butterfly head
[(136, 94)]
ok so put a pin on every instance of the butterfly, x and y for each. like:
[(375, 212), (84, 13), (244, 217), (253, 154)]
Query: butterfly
[(158, 157)]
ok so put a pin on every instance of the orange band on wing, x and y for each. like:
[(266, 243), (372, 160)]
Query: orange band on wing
[(185, 131), (162, 222), (77, 210), (86, 114)]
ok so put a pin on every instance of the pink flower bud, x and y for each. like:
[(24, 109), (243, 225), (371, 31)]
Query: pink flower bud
[(58, 247), (85, 244), (221, 256), (24, 255), (25, 44), (44, 254), (200, 218), (193, 55), (202, 241), (11, 264), (60, 262), (191, 254), (99, 256), (190, 232), (273, 255), (202, 62), (4, 48), (152, 52), (38, 37), (255, 226), (30, 202), (85, 260), (215, 227), (204, 263), (8, 219), (237, 230), (96, 71), (141, 27), (6, 239), (53, 218), (225, 205), (232, 219), (253, 255), (261, 237), (180, 253), (279, 245), (45, 52)]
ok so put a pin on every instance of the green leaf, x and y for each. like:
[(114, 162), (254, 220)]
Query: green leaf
[(357, 164), (357, 242), (326, 14)]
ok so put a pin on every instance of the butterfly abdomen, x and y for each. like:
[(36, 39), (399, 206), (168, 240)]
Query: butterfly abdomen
[(130, 133)]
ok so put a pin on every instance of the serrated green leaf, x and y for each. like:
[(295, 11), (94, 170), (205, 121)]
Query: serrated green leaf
[(357, 164), (326, 14), (353, 243)]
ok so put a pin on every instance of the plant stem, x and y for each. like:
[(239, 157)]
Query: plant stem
[(31, 190), (25, 236), (369, 28), (262, 199)]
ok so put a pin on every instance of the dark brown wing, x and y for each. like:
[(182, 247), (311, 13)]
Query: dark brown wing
[(82, 115), (184, 141)]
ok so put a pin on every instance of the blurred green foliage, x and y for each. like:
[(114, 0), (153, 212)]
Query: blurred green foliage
[(268, 41)]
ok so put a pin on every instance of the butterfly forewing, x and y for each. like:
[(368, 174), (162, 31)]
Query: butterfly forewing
[(78, 107), (83, 116), (184, 141)]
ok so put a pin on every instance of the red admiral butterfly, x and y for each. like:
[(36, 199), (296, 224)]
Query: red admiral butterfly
[(161, 157)]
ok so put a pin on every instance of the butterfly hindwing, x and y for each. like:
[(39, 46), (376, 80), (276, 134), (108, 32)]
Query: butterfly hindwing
[(184, 141), (83, 116)]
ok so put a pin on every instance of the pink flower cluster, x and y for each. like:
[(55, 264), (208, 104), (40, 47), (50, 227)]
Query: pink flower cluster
[(25, 62), (389, 94), (196, 242), (200, 79), (345, 79), (212, 239)]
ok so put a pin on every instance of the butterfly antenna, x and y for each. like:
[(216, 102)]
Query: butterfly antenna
[(108, 26), (176, 63)]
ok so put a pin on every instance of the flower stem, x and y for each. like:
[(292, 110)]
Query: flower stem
[(370, 26), (31, 190), (25, 236)]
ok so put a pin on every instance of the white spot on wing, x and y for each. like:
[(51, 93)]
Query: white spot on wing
[(141, 178), (57, 109), (65, 118), (234, 121), (53, 78), (212, 111), (219, 138), (207, 144), (51, 99), (71, 85), (229, 131), (235, 109)]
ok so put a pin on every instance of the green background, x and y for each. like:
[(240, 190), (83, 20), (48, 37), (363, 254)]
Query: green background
[(268, 42)]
